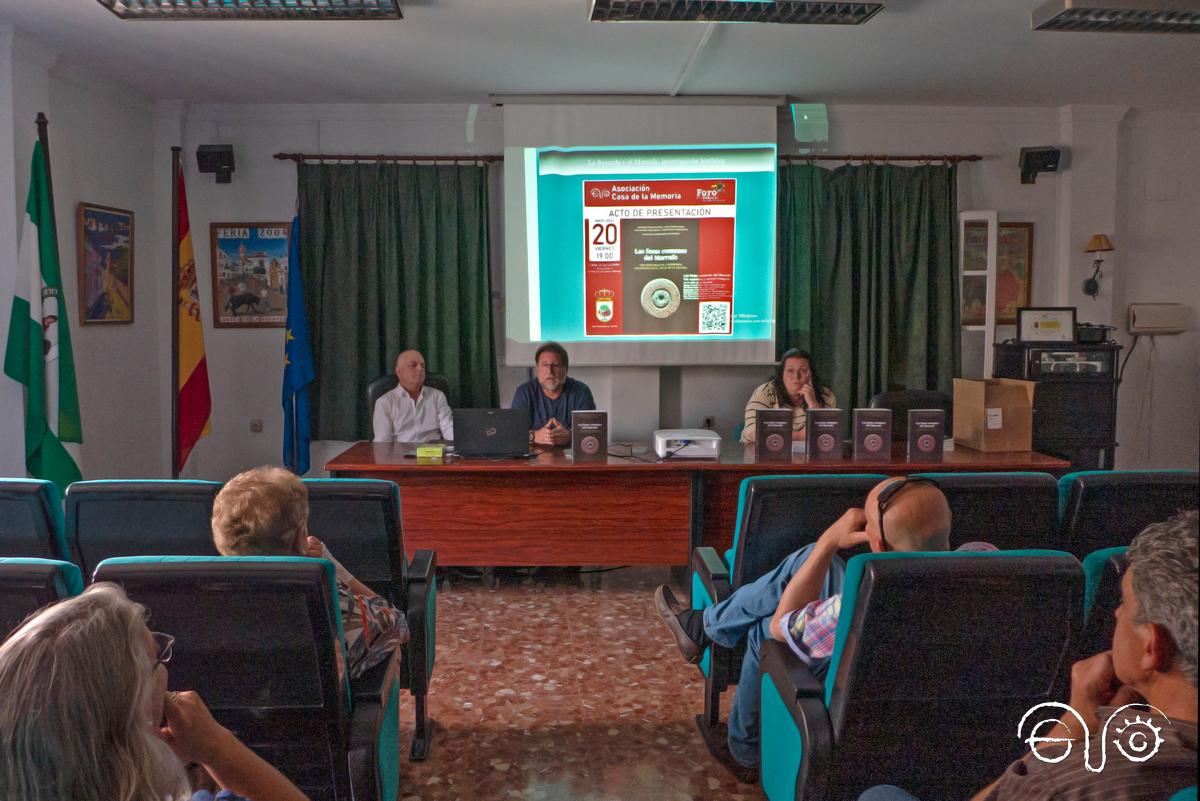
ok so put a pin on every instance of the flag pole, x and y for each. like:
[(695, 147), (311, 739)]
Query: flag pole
[(175, 150), (44, 137)]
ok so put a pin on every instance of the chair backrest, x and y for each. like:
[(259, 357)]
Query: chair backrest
[(944, 653), (1103, 571), (902, 400), (1106, 509), (778, 514), (26, 585), (386, 383), (139, 518), (358, 519), (257, 638), (1012, 511), (31, 521)]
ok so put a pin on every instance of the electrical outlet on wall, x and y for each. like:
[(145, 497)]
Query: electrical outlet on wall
[(256, 426), (709, 422)]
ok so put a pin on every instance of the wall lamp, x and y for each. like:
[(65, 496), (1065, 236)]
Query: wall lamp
[(1097, 244)]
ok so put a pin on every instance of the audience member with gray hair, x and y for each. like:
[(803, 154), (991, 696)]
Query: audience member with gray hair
[(1152, 664), (85, 714)]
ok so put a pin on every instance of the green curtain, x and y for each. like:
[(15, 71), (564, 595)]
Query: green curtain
[(867, 276), (394, 256)]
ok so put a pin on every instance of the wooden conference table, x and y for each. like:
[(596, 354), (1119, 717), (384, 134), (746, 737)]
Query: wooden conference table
[(545, 510)]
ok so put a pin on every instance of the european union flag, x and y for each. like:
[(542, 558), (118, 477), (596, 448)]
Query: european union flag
[(298, 370)]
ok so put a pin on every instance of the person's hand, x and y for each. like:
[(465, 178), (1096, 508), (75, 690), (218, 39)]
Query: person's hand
[(799, 434), (1094, 683), (552, 434), (848, 531), (810, 396), (313, 547), (191, 730)]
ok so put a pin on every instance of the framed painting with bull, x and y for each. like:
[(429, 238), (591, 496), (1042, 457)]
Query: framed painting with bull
[(249, 274)]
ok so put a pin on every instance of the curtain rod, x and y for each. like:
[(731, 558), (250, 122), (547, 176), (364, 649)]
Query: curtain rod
[(885, 159), (300, 158), (487, 159)]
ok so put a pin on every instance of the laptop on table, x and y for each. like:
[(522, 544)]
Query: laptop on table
[(491, 432)]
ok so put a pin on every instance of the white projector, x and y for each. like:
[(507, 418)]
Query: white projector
[(687, 443)]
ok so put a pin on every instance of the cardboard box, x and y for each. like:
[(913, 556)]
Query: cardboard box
[(994, 415)]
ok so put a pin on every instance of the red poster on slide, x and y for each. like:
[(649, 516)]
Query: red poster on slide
[(659, 257)]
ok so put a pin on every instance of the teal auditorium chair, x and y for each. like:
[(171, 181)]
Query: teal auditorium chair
[(1012, 511), (139, 518), (776, 515), (26, 585), (31, 519), (259, 639), (937, 657), (359, 521), (1103, 571), (1105, 509)]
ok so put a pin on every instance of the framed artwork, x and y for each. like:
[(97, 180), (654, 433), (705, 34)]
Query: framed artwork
[(974, 246), (105, 243), (974, 300), (1014, 270), (249, 274), (1046, 324)]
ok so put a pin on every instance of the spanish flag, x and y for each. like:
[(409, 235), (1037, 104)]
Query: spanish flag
[(194, 415)]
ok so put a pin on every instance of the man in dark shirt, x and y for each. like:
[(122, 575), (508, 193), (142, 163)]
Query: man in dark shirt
[(1103, 749), (551, 396)]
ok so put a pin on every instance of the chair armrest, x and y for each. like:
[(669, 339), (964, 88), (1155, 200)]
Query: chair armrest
[(423, 566), (373, 748), (788, 671), (804, 752), (712, 572)]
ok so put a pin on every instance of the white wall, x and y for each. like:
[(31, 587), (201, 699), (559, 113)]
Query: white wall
[(124, 401), (1158, 411)]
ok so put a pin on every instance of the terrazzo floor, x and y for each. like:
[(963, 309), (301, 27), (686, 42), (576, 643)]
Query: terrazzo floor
[(562, 686)]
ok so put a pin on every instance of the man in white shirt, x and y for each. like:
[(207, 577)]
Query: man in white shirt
[(412, 412)]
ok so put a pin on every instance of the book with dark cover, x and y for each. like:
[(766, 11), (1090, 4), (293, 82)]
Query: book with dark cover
[(773, 435), (589, 436), (824, 434), (926, 431), (873, 434)]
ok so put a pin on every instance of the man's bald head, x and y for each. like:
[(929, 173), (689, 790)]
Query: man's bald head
[(410, 370), (917, 518)]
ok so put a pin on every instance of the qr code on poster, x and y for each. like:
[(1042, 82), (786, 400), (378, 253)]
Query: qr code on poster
[(714, 317)]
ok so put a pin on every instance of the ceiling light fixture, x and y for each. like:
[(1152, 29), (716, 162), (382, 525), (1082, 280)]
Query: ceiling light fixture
[(782, 11), (254, 9), (1118, 16)]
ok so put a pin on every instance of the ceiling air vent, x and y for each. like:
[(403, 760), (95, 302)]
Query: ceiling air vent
[(783, 11), (1118, 16), (253, 9)]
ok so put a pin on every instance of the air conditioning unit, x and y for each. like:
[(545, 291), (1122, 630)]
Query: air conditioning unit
[(1159, 318)]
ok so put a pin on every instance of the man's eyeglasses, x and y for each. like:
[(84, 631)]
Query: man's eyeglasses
[(888, 493), (552, 365), (164, 644)]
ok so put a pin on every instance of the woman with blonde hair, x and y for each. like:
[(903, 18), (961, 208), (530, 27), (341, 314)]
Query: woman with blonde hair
[(85, 714)]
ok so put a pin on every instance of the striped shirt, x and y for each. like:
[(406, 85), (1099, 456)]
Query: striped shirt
[(1169, 770), (765, 397)]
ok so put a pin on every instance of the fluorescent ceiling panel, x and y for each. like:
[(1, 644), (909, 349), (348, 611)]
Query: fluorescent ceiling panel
[(783, 11), (253, 9), (1118, 16)]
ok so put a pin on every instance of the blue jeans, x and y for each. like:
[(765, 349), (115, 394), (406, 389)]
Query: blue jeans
[(747, 613)]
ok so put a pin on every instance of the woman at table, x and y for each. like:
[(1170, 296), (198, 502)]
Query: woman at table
[(792, 387)]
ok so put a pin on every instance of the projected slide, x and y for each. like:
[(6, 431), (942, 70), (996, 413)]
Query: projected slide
[(642, 255), (659, 257)]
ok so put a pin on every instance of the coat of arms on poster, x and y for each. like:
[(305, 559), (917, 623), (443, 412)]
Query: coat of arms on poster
[(105, 239), (249, 274)]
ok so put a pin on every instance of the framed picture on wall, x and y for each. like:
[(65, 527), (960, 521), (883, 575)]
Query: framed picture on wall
[(249, 274), (1014, 270), (1046, 324), (105, 244)]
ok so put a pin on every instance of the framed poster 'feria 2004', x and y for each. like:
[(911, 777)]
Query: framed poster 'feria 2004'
[(249, 274)]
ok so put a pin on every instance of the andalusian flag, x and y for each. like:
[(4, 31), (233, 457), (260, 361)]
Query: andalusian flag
[(195, 402), (39, 342)]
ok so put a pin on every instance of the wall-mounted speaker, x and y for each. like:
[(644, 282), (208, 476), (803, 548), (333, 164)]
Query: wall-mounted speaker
[(216, 159), (1038, 159)]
